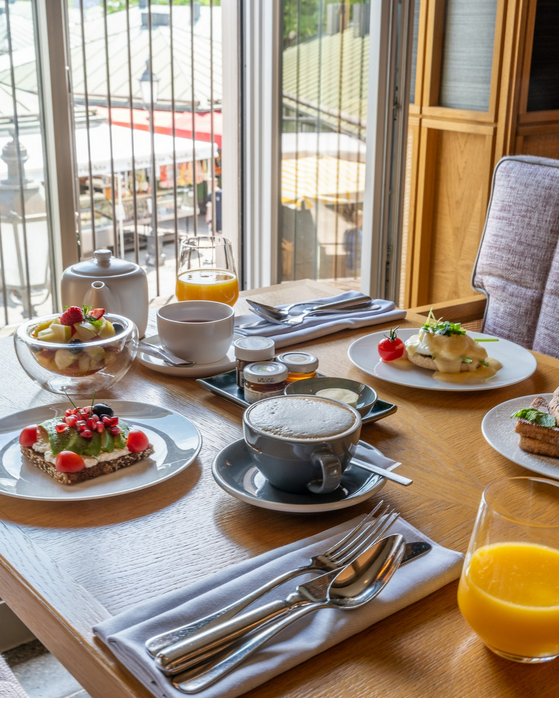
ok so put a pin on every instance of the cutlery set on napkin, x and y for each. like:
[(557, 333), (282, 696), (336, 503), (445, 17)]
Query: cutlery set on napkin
[(232, 631), (195, 641), (315, 318)]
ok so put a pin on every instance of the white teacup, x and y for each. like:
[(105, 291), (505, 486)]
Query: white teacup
[(196, 330)]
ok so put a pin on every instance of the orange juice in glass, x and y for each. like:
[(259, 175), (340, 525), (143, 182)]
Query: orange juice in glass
[(207, 270), (509, 589)]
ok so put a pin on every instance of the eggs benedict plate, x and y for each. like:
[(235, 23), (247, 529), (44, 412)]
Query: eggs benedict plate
[(449, 370), (448, 350)]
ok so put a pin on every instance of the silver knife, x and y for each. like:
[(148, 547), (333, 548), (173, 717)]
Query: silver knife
[(200, 646)]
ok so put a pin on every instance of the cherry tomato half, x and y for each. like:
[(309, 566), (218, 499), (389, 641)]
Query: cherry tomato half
[(391, 348), (28, 436), (137, 441), (69, 462)]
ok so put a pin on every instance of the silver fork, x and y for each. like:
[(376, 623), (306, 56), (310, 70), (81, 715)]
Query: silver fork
[(340, 554)]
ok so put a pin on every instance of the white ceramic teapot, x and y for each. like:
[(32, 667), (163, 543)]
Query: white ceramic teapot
[(121, 287)]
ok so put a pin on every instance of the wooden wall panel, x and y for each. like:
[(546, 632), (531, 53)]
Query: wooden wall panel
[(541, 145), (460, 192)]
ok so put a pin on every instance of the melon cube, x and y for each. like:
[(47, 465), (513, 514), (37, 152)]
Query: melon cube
[(84, 362), (64, 358), (47, 336), (63, 333), (107, 330), (85, 331)]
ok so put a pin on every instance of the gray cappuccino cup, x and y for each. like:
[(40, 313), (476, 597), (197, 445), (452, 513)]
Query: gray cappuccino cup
[(302, 443)]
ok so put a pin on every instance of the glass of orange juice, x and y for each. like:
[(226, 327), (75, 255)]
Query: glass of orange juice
[(207, 270), (509, 589)]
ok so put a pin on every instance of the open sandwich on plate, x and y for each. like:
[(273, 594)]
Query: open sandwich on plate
[(83, 443), (538, 426)]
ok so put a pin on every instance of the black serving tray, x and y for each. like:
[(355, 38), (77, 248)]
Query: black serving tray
[(226, 386)]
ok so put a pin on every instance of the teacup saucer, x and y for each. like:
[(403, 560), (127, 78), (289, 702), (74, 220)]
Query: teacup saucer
[(235, 472), (197, 371)]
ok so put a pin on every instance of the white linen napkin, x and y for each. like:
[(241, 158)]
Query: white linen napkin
[(127, 633), (315, 327)]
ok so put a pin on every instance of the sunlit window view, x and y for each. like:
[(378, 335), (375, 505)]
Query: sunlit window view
[(145, 87), (146, 91), (324, 101), (26, 279)]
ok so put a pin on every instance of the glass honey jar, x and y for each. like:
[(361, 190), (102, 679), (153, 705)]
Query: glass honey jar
[(300, 365)]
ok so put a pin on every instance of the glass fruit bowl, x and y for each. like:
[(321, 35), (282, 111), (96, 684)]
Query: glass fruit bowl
[(81, 367)]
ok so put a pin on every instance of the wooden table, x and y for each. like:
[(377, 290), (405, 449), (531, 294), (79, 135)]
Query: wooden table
[(66, 566)]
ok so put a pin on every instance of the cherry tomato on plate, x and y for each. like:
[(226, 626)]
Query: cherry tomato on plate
[(391, 348), (137, 441), (69, 462), (28, 436)]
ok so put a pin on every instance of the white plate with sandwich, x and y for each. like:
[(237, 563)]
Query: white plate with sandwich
[(516, 362), (498, 428), (176, 443)]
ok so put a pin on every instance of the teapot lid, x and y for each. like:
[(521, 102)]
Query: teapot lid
[(103, 264)]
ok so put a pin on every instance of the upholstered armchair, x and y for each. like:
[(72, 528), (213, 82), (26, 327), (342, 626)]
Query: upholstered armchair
[(517, 266)]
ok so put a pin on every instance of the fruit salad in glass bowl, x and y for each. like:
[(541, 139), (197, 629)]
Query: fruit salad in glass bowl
[(80, 350)]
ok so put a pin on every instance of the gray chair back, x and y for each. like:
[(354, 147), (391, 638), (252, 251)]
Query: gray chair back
[(517, 266)]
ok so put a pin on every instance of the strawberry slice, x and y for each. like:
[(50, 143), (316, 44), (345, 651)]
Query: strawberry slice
[(72, 315), (97, 313)]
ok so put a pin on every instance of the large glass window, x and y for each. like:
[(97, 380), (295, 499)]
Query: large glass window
[(324, 108), (26, 279)]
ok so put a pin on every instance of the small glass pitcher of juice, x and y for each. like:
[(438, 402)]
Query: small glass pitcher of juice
[(509, 589), (207, 270)]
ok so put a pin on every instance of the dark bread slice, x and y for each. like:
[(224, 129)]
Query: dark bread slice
[(538, 447), (102, 468)]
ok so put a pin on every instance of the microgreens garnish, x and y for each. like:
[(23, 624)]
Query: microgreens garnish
[(75, 406), (537, 417), (438, 327)]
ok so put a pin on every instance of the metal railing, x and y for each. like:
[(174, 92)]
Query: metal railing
[(26, 275), (137, 189)]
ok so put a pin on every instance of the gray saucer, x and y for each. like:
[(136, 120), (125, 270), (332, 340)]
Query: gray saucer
[(234, 471)]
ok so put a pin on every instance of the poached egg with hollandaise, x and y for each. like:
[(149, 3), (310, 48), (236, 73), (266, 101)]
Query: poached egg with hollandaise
[(447, 349)]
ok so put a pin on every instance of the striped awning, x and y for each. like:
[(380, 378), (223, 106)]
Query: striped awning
[(308, 180)]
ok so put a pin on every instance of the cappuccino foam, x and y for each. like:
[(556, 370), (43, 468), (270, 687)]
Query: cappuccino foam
[(308, 418)]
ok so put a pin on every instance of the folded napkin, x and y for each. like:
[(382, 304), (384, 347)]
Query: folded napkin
[(126, 634), (315, 327), (369, 453)]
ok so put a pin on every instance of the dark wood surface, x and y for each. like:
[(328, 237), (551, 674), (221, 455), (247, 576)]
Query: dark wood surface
[(66, 566)]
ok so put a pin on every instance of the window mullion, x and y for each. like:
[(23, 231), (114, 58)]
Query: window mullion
[(58, 132)]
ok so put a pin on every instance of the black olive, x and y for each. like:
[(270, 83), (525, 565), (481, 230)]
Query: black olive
[(76, 346), (118, 328), (101, 409)]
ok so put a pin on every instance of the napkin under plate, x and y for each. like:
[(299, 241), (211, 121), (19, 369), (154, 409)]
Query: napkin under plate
[(318, 326), (126, 634)]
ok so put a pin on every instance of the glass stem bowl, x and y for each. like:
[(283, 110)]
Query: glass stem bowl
[(80, 369), (509, 589)]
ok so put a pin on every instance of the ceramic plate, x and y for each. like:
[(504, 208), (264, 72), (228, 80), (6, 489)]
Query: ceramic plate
[(235, 472), (196, 371), (518, 364), (176, 440), (498, 429)]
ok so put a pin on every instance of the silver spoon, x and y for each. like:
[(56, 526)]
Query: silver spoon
[(157, 351), (347, 589)]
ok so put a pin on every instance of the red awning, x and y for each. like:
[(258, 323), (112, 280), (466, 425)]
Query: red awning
[(163, 122)]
